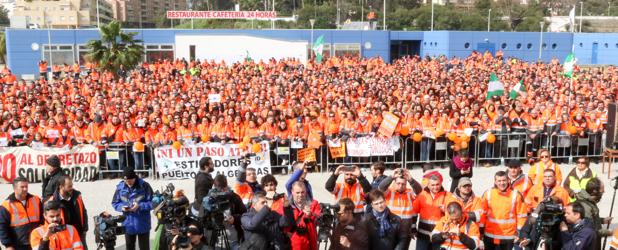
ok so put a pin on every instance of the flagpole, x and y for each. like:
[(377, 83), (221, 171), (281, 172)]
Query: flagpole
[(573, 53)]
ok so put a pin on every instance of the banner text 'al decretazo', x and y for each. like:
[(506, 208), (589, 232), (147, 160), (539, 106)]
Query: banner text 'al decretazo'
[(184, 163), (81, 162)]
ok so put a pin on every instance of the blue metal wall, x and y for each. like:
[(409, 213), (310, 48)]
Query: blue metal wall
[(22, 58)]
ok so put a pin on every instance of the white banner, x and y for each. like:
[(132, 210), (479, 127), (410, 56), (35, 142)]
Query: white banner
[(372, 146), (81, 162), (184, 163)]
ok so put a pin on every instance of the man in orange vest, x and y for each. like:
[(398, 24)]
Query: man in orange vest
[(20, 213), (517, 179), (455, 230), (399, 199), (43, 69), (54, 234), (505, 214), (470, 203), (246, 185), (74, 212), (545, 189), (430, 205), (355, 186)]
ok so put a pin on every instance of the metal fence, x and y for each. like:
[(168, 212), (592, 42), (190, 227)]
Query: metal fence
[(564, 148)]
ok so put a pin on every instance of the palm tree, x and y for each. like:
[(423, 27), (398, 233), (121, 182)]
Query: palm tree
[(115, 48), (2, 48)]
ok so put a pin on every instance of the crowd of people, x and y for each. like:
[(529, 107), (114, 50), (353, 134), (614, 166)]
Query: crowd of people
[(169, 100), (537, 210)]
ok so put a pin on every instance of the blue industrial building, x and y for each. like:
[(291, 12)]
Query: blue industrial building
[(26, 47)]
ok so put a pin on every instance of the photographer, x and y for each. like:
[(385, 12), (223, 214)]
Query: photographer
[(263, 226), (195, 238), (354, 186), (73, 210), (349, 233), (133, 197), (455, 230), (542, 225), (300, 174), (303, 234), (274, 200), (578, 234), (203, 184), (589, 198), (229, 217), (54, 234)]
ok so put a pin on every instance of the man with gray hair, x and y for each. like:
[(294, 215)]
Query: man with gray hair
[(264, 227)]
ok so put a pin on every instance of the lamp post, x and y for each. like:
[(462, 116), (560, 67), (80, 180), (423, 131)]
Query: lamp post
[(609, 8), (312, 22), (431, 15), (542, 23), (489, 20), (384, 16), (581, 15), (98, 17), (49, 47)]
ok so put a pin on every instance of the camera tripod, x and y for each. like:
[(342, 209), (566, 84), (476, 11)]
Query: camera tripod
[(219, 237)]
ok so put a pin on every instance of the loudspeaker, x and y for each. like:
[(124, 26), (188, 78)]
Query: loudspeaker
[(612, 127)]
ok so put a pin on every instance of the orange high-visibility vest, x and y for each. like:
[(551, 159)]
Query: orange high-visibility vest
[(245, 192), (522, 184), (428, 208), (505, 214), (536, 172), (537, 194), (22, 216), (466, 226), (400, 203), (472, 206), (354, 192), (67, 239)]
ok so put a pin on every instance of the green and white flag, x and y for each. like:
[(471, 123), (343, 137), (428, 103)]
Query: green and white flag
[(318, 46), (518, 89), (248, 57), (569, 64), (495, 87)]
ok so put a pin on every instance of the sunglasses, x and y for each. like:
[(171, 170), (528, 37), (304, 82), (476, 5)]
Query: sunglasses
[(544, 156)]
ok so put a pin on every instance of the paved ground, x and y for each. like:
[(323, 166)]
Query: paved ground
[(97, 195)]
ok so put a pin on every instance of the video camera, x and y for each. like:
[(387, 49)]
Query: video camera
[(106, 229), (216, 204), (167, 209), (550, 213), (327, 221)]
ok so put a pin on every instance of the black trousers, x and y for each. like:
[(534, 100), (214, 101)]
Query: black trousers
[(143, 241), (503, 245)]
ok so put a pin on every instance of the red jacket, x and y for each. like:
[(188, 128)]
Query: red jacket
[(309, 240)]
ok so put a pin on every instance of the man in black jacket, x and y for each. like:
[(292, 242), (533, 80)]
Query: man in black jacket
[(349, 233), (203, 184), (231, 216), (578, 234), (263, 227), (73, 209), (51, 180), (383, 227)]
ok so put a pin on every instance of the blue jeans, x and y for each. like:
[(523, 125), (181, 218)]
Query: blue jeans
[(426, 146), (138, 159), (119, 164), (424, 244)]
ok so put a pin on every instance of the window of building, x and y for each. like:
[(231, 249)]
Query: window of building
[(544, 45), (61, 18), (60, 54), (518, 46), (529, 46), (467, 45), (155, 52), (503, 46), (554, 46), (326, 50), (348, 49), (82, 50)]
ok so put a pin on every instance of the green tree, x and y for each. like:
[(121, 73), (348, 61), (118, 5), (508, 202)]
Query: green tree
[(115, 48), (2, 47), (4, 16)]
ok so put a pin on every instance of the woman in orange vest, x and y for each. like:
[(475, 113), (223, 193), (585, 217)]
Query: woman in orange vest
[(65, 139), (52, 132), (133, 136)]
